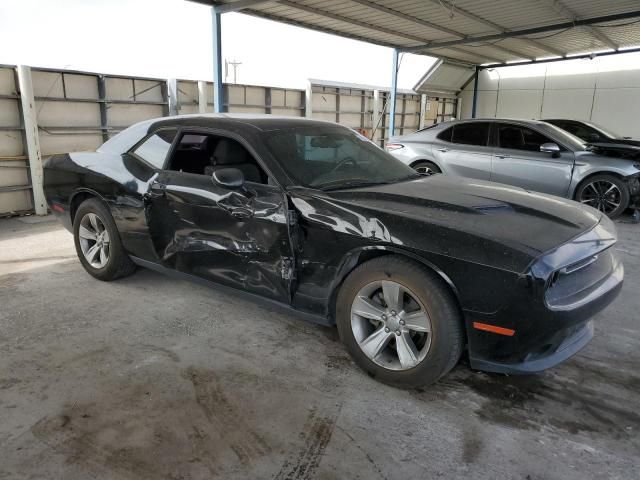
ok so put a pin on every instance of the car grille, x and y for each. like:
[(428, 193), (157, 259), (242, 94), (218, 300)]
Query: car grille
[(574, 283)]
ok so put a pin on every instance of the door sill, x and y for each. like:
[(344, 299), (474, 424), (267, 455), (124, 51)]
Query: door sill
[(285, 308)]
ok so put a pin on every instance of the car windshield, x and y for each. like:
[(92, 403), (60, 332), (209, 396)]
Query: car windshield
[(333, 158), (604, 131), (566, 138)]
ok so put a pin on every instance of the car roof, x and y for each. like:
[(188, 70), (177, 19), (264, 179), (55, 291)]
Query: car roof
[(127, 138), (487, 119), (264, 122)]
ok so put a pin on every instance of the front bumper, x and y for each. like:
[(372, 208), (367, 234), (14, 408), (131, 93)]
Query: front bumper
[(547, 329), (567, 348), (549, 348)]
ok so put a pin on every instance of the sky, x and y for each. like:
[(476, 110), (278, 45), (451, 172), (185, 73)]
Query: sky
[(172, 38)]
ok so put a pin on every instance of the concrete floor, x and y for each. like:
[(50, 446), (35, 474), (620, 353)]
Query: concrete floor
[(148, 377)]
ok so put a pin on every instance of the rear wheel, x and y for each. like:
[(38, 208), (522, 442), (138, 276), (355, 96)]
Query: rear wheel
[(98, 243), (606, 193), (426, 167), (399, 321)]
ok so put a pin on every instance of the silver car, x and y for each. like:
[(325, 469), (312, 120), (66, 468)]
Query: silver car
[(530, 154)]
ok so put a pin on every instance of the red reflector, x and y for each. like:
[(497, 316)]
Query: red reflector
[(393, 146), (493, 329), (57, 208)]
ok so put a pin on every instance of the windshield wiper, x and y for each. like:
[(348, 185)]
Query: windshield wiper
[(341, 184), (411, 176)]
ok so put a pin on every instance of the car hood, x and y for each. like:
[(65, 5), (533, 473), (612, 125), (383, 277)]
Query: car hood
[(479, 221), (626, 141)]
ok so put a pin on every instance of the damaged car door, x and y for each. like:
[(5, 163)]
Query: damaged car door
[(233, 235)]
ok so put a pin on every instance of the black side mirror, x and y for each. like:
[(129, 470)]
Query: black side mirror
[(232, 178)]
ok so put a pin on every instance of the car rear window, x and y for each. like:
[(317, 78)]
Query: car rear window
[(155, 148), (446, 135)]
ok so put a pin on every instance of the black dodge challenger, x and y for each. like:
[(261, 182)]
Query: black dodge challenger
[(309, 215)]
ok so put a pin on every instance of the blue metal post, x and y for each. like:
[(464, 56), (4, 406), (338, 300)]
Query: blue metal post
[(216, 27), (393, 93), (475, 93)]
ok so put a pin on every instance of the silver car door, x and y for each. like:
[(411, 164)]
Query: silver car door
[(470, 154), (517, 160), (443, 153)]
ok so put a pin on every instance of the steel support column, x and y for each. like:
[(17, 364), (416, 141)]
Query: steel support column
[(102, 96), (33, 140), (216, 29), (474, 105), (172, 89), (423, 110), (308, 101), (376, 119), (393, 93), (202, 96)]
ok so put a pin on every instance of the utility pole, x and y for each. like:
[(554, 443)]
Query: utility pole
[(235, 64)]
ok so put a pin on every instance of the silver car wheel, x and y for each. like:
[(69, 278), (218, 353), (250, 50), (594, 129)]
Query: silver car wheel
[(425, 170), (94, 240), (390, 325), (602, 195)]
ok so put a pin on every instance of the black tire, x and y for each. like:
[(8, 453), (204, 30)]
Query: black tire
[(427, 167), (583, 191), (118, 264), (447, 339)]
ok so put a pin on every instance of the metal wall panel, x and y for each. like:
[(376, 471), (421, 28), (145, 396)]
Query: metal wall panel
[(353, 106), (241, 98), (15, 195), (78, 111), (617, 109), (577, 90)]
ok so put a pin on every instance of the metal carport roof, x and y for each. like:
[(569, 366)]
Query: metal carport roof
[(469, 31)]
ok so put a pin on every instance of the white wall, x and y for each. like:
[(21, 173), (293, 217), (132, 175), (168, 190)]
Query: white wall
[(605, 90)]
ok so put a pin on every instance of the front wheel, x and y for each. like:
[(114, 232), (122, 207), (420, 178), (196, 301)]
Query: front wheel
[(426, 167), (399, 321), (606, 193), (98, 243)]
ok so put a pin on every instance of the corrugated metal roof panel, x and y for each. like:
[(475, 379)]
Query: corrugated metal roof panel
[(471, 58), (596, 8), (410, 23), (511, 14), (625, 34), (444, 78)]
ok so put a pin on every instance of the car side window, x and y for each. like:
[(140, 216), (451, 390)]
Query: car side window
[(445, 136), (520, 138), (204, 153), (154, 149), (476, 133)]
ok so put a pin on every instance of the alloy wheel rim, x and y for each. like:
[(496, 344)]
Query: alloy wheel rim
[(94, 240), (425, 170), (602, 195), (390, 325)]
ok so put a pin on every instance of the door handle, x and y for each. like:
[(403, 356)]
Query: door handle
[(503, 156), (443, 150), (241, 213)]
